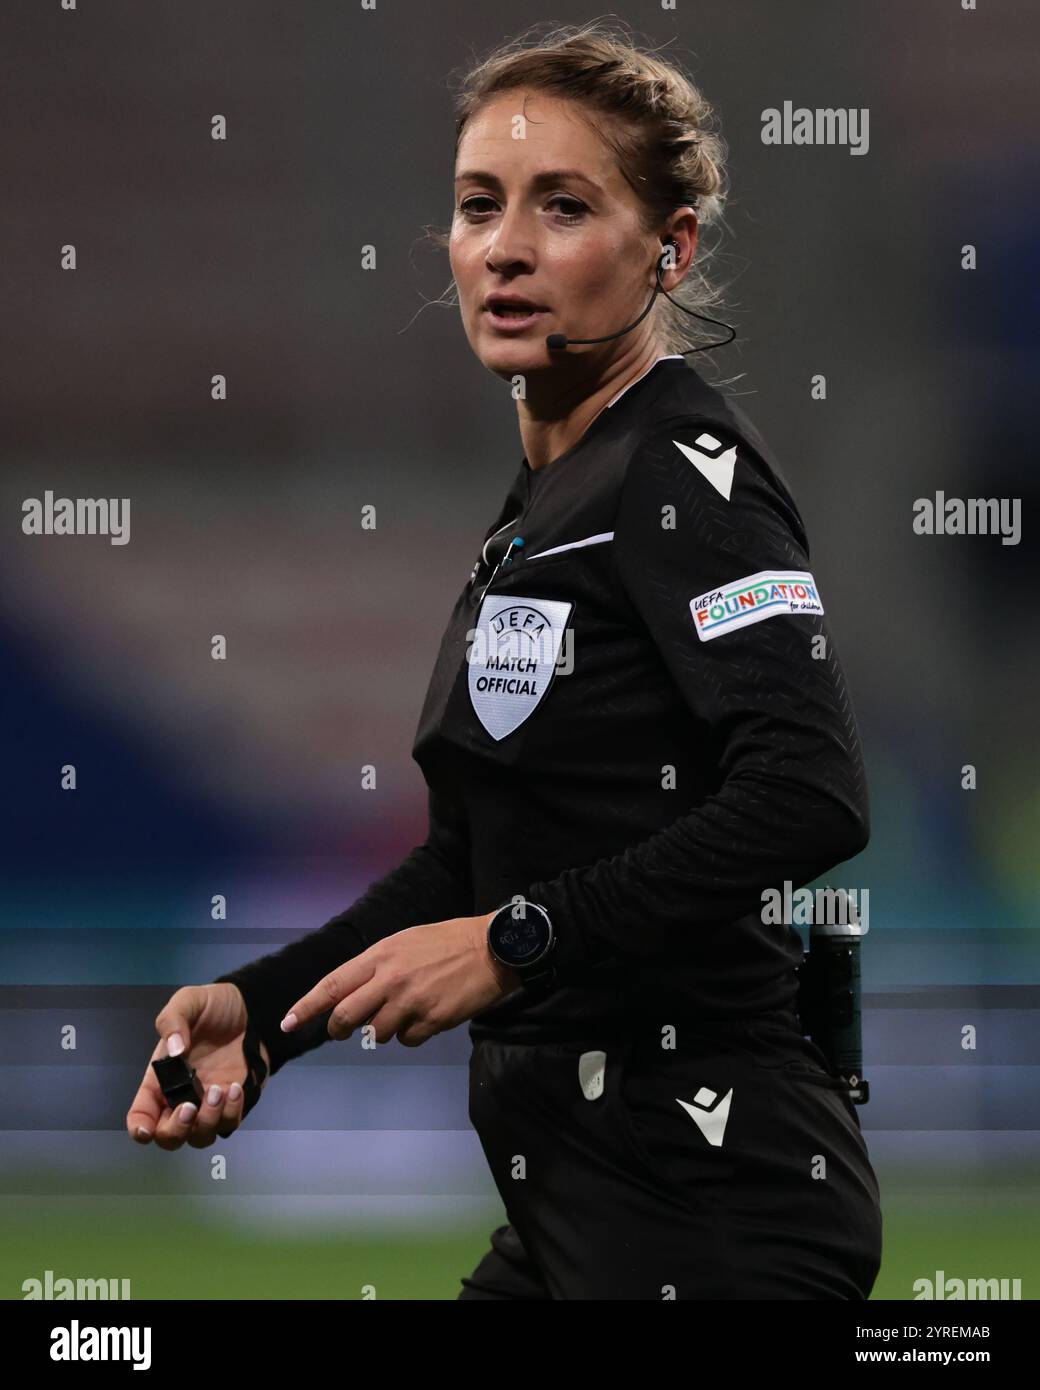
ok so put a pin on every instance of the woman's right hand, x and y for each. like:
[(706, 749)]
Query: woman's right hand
[(206, 1024)]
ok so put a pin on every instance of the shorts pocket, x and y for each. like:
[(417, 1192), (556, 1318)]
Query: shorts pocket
[(675, 1115), (775, 1048)]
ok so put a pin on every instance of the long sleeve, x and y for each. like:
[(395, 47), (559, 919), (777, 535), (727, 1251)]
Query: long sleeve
[(711, 559), (433, 883)]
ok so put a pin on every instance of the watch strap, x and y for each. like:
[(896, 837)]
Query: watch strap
[(540, 983), (256, 1067)]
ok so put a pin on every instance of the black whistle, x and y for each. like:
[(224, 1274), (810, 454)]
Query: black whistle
[(178, 1081)]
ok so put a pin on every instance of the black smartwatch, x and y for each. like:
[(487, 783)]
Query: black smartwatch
[(521, 936)]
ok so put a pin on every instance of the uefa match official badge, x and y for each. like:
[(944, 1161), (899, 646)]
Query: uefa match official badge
[(512, 657)]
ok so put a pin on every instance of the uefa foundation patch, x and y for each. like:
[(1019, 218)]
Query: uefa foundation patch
[(750, 600)]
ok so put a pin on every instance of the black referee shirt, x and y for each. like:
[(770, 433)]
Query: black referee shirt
[(640, 723)]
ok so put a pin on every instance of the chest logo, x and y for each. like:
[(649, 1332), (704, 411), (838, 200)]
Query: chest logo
[(512, 657)]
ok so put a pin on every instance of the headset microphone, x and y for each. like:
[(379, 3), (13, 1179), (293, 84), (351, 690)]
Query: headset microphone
[(557, 342)]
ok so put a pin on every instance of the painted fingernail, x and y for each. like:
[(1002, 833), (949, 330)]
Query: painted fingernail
[(288, 1023), (187, 1113), (143, 1133), (174, 1045), (213, 1095), (234, 1091)]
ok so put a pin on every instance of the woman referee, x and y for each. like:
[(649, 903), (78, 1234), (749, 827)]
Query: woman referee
[(636, 725)]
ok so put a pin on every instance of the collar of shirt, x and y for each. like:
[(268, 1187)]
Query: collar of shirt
[(533, 476)]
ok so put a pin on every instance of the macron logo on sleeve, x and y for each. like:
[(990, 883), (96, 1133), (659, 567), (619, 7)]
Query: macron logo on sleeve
[(716, 467)]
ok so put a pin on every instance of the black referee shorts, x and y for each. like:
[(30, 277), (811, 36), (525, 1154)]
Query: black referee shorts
[(732, 1167)]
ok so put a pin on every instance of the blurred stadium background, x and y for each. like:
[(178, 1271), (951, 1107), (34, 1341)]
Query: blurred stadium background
[(242, 777)]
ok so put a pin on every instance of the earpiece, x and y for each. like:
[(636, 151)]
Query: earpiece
[(557, 342)]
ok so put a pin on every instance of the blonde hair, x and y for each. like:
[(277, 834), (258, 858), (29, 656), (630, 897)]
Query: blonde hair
[(657, 123)]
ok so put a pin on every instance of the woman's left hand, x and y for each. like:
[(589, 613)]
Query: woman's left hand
[(416, 983)]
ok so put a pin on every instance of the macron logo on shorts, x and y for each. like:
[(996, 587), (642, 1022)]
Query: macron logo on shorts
[(711, 1123)]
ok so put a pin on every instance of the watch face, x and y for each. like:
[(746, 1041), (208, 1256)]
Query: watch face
[(520, 940)]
